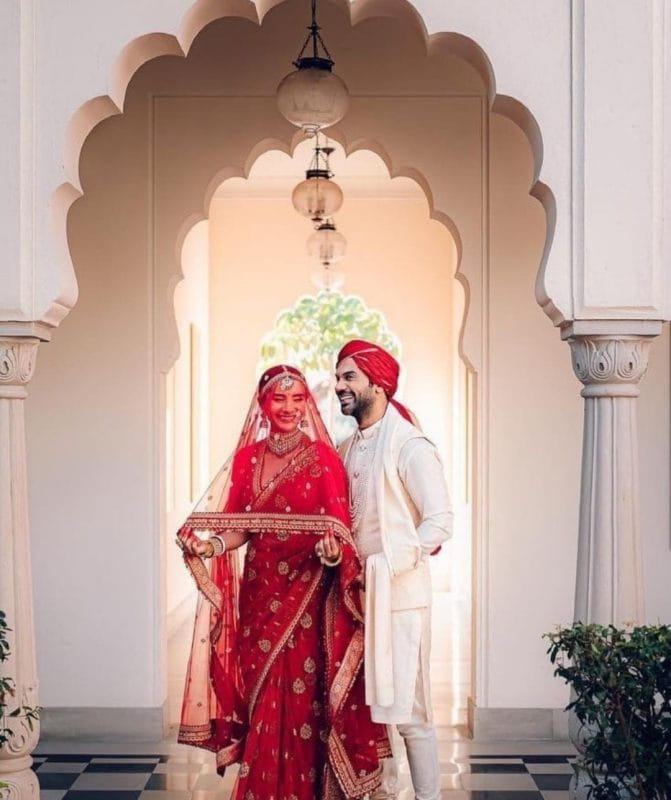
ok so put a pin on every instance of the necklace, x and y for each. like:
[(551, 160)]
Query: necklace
[(282, 443)]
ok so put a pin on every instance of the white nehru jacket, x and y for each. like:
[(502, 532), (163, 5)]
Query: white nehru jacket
[(401, 513), (421, 474)]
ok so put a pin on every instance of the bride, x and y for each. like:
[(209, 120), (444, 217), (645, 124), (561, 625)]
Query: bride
[(275, 678)]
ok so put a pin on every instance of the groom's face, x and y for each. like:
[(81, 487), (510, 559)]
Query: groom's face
[(354, 389)]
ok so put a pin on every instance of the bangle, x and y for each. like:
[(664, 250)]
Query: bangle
[(334, 563), (218, 545)]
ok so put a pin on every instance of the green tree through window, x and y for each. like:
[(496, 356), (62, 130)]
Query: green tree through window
[(309, 336)]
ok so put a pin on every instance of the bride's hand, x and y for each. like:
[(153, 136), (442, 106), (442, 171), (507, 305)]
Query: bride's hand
[(203, 549), (192, 545), (328, 549)]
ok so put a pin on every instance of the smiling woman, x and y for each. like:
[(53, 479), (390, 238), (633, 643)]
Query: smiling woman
[(285, 408)]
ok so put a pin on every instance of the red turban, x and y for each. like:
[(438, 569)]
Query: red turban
[(380, 366)]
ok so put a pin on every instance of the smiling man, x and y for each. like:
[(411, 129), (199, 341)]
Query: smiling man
[(401, 514)]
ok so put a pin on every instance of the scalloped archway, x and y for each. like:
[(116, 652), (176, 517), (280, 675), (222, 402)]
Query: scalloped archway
[(156, 46), (182, 116)]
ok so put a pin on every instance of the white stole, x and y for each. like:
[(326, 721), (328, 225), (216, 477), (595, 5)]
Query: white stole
[(401, 552)]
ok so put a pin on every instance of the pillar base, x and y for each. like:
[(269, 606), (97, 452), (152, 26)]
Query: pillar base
[(22, 785), (518, 724), (15, 766)]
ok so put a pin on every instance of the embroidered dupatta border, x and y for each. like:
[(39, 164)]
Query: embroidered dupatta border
[(353, 786), (204, 582), (200, 735), (263, 521)]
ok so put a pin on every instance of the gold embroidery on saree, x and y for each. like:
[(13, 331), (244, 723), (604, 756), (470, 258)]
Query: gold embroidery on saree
[(284, 639), (297, 464)]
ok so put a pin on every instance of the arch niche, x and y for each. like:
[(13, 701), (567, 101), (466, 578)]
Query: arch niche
[(199, 108)]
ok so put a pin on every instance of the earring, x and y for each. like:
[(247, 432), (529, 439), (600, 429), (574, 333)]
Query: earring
[(303, 424), (264, 422)]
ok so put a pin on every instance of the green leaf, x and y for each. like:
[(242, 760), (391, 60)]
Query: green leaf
[(621, 682)]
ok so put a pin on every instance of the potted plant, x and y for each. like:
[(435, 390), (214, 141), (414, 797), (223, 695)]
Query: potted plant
[(620, 682)]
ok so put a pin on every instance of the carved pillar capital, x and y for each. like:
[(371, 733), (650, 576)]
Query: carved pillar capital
[(609, 358), (17, 365), (609, 365)]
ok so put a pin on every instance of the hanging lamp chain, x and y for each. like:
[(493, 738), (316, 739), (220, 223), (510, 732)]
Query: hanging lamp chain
[(320, 159), (315, 37)]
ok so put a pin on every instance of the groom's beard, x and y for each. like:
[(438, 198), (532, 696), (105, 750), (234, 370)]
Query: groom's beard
[(359, 405)]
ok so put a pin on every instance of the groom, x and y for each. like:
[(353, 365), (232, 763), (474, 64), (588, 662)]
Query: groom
[(400, 515)]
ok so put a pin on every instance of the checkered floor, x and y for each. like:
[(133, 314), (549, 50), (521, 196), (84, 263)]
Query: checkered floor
[(190, 775)]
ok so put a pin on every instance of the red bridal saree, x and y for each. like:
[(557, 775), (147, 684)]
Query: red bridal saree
[(275, 677)]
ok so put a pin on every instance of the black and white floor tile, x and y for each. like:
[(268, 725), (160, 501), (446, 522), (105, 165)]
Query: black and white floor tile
[(507, 771)]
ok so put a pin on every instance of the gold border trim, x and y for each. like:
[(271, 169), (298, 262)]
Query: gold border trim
[(204, 582), (347, 672), (352, 785)]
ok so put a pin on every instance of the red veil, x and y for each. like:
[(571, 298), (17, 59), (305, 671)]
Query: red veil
[(224, 689)]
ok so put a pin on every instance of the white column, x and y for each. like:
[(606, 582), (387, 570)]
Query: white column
[(609, 580), (17, 362)]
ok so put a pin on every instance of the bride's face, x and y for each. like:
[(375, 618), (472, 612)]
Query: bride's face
[(285, 407)]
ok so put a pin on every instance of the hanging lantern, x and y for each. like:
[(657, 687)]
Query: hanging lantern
[(328, 277), (313, 97), (326, 245), (318, 197)]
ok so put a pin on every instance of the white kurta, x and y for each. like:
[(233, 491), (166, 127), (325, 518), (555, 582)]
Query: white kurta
[(401, 642)]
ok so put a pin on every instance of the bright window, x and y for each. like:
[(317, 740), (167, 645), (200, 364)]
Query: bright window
[(309, 336)]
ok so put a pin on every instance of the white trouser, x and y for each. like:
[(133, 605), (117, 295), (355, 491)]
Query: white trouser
[(419, 738), (422, 750)]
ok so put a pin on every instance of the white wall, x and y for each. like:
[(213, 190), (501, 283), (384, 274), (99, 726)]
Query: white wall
[(187, 470), (535, 414), (654, 419), (91, 480)]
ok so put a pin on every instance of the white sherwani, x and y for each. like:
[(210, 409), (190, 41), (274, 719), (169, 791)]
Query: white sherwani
[(401, 513)]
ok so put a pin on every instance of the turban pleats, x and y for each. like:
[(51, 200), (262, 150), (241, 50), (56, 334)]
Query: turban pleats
[(380, 366)]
